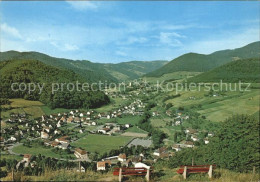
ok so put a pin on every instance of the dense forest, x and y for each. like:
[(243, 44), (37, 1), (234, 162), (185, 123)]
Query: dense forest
[(93, 72), (31, 71), (194, 62), (235, 146), (244, 70)]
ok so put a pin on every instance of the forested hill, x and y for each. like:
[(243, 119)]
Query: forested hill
[(91, 71), (244, 70), (201, 63), (32, 71), (133, 69)]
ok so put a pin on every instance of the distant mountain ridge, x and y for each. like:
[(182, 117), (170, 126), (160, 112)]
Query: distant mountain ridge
[(93, 72), (195, 62)]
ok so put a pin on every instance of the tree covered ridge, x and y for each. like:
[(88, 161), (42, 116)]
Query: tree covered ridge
[(91, 71), (32, 71), (195, 62), (235, 146), (244, 70)]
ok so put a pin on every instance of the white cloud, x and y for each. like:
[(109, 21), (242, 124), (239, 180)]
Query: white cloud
[(70, 47), (120, 53), (176, 27), (10, 31), (64, 47), (170, 38), (83, 5)]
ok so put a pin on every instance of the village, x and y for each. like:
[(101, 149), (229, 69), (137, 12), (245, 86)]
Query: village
[(65, 134)]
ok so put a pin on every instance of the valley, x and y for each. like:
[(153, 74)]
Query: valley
[(143, 123)]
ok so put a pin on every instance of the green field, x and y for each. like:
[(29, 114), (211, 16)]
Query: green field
[(101, 143), (115, 104), (7, 156), (134, 129), (221, 107), (180, 75), (49, 111), (32, 108), (37, 149)]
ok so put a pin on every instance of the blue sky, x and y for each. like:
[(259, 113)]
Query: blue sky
[(117, 31)]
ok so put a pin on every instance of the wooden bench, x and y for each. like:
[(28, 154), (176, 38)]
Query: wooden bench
[(132, 171), (185, 170)]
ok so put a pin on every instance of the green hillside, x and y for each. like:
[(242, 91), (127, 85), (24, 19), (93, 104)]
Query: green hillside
[(194, 62), (93, 72), (31, 71), (244, 70), (133, 69)]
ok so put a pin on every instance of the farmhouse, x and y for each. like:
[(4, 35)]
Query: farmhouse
[(64, 139), (81, 154), (176, 147), (190, 131), (122, 157), (194, 138), (104, 130), (27, 158), (161, 152), (54, 144), (103, 165), (44, 135), (187, 144), (70, 119), (64, 146)]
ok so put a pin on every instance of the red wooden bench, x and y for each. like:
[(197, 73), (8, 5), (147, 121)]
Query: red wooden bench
[(184, 170), (132, 171)]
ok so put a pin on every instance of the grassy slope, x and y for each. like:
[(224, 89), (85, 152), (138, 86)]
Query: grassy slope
[(37, 149), (219, 108), (33, 108), (180, 75)]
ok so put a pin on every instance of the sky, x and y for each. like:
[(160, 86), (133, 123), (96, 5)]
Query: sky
[(118, 31)]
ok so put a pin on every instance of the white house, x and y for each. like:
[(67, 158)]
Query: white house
[(44, 135), (194, 138), (206, 141), (80, 154), (13, 138), (122, 157), (101, 166)]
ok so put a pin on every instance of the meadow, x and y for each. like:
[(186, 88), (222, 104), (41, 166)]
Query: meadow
[(32, 108), (115, 103), (220, 107), (180, 75), (38, 149), (101, 143)]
